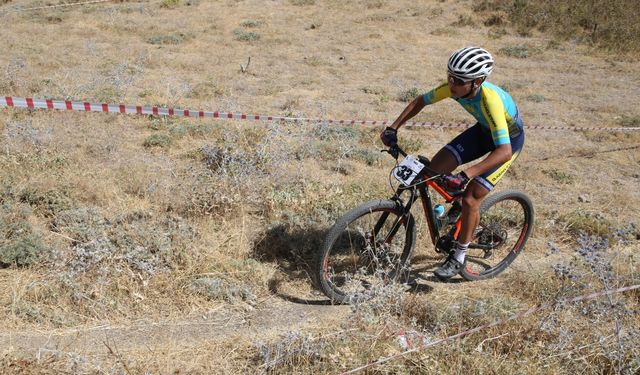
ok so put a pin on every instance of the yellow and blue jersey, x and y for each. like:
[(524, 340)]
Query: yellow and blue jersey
[(492, 107)]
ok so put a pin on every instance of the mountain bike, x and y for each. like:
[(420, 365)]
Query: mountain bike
[(371, 245)]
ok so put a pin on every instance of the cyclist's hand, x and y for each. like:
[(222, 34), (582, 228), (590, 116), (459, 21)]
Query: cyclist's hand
[(455, 182), (389, 136)]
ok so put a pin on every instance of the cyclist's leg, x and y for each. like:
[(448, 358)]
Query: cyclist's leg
[(462, 149), (474, 194), (473, 197), (480, 188), (444, 162), (490, 178)]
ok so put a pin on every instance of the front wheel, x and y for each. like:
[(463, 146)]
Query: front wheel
[(506, 221), (369, 247)]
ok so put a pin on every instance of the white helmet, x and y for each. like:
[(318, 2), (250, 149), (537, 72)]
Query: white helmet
[(470, 63)]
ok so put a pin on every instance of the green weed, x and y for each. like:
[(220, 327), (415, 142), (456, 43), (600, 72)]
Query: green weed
[(579, 222), (630, 121), (173, 38), (158, 140), (536, 98), (559, 176), (245, 36), (314, 61), (520, 52), (511, 86), (46, 203), (409, 94), (302, 2), (169, 3), (251, 23), (19, 244)]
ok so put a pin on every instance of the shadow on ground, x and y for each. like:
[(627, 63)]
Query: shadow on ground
[(293, 250)]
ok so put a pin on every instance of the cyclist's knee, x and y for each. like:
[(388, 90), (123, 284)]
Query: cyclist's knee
[(473, 196), (470, 202)]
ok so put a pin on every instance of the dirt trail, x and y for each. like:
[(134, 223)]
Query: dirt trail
[(275, 317)]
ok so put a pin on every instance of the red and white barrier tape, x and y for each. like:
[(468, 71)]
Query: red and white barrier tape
[(17, 102), (57, 6), (491, 325)]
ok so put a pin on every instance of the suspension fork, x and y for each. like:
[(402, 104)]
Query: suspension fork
[(406, 209)]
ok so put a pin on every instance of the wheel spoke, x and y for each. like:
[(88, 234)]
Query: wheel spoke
[(366, 253), (504, 226)]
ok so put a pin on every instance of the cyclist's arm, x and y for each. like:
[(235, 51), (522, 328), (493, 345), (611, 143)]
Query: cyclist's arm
[(435, 95), (411, 110)]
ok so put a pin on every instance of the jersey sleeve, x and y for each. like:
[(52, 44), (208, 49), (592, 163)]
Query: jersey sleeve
[(493, 111), (437, 94)]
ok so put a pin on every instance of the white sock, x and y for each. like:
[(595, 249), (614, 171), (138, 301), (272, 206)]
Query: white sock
[(461, 250)]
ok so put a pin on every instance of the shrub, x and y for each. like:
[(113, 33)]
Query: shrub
[(610, 25), (143, 242), (223, 290), (520, 52), (245, 36), (581, 222), (329, 132), (559, 176), (251, 23), (169, 3), (511, 86), (158, 140), (19, 244), (289, 354), (630, 121), (369, 157), (536, 98), (409, 94), (47, 203), (302, 2), (173, 38)]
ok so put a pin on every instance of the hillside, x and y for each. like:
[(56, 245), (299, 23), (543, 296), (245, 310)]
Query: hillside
[(139, 244)]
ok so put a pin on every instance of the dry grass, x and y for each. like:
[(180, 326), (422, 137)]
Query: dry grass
[(610, 26), (117, 228)]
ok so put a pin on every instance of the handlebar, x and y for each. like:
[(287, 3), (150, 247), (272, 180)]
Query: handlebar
[(396, 150)]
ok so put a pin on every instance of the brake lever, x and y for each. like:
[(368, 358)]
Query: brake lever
[(393, 151)]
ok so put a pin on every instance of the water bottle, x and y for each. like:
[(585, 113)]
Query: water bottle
[(438, 210)]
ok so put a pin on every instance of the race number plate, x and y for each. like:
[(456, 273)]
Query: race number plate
[(407, 170)]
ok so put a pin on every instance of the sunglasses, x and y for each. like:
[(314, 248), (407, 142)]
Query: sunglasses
[(457, 81)]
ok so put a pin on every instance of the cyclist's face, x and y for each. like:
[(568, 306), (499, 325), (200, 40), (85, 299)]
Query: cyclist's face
[(458, 87)]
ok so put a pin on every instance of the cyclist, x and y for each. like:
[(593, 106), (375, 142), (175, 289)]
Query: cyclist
[(498, 133)]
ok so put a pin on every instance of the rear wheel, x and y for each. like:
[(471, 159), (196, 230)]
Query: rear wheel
[(506, 221), (369, 247)]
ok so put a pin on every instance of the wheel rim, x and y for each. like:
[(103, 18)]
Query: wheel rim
[(359, 263), (503, 228)]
